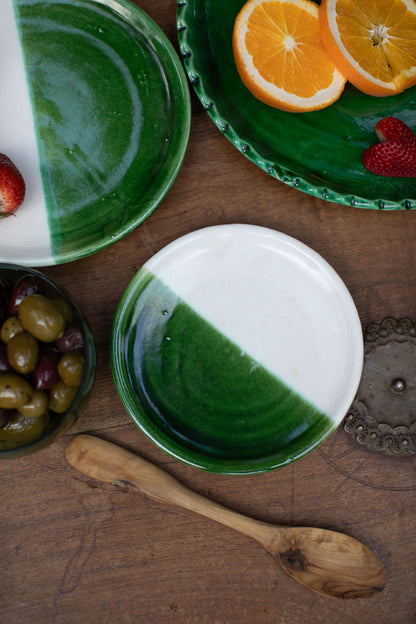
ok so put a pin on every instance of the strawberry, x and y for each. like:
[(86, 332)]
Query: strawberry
[(393, 129), (395, 155), (391, 158), (12, 186)]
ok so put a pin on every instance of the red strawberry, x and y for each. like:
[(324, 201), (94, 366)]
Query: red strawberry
[(393, 129), (12, 186), (395, 155), (391, 158)]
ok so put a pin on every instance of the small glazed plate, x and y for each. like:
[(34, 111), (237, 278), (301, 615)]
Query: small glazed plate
[(318, 153), (237, 349), (96, 116)]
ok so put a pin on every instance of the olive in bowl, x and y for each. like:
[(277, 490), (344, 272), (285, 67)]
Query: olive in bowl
[(47, 360)]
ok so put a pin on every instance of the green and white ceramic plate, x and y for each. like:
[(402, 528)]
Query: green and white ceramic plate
[(237, 349), (319, 152), (95, 112)]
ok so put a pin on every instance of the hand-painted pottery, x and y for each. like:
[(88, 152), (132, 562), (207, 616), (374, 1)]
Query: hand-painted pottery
[(237, 349), (318, 153), (95, 112)]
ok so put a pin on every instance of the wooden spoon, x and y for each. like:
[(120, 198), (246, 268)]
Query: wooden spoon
[(327, 562)]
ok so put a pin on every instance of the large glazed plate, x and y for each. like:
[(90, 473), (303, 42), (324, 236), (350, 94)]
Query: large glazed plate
[(237, 349), (95, 111), (319, 152)]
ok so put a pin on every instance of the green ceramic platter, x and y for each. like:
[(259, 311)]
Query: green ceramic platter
[(318, 153), (97, 117)]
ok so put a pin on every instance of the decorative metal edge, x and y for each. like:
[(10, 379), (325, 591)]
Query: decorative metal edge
[(388, 329), (381, 437)]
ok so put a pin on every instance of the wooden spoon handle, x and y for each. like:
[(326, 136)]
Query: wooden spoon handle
[(110, 463)]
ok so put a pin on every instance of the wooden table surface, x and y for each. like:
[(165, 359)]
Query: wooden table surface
[(75, 551)]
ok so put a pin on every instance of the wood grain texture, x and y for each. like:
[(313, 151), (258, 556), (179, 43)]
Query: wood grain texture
[(75, 551)]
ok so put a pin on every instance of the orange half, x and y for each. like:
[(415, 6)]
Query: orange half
[(281, 58), (372, 42)]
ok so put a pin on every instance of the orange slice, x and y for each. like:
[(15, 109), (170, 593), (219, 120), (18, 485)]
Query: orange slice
[(372, 42), (280, 56)]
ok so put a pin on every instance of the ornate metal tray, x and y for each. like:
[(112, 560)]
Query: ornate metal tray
[(383, 414)]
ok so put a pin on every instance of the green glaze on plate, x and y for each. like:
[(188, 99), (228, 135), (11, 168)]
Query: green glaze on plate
[(318, 153), (111, 111), (211, 400)]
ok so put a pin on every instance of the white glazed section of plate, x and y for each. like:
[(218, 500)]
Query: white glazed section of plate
[(278, 300), (29, 234)]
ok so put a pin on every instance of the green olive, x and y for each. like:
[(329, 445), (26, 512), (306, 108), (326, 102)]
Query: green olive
[(71, 368), (61, 397), (37, 406), (14, 391), (23, 429), (23, 353), (10, 328), (65, 309), (41, 317)]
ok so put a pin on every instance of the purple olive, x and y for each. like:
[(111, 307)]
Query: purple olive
[(46, 374), (72, 340), (26, 285)]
